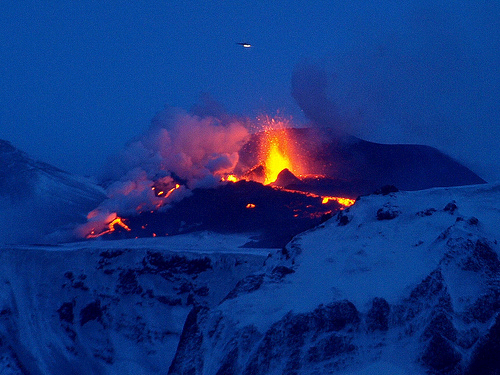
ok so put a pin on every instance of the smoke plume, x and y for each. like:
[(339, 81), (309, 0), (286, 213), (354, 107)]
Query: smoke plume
[(180, 151)]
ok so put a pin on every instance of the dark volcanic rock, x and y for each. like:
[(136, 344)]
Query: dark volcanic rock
[(156, 262), (189, 358), (357, 167), (66, 312), (387, 213), (386, 190), (440, 325), (92, 311), (440, 355), (485, 307), (330, 347), (286, 178), (284, 342), (127, 283), (378, 315), (486, 359), (248, 284)]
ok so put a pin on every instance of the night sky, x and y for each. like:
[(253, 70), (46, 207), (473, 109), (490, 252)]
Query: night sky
[(78, 79)]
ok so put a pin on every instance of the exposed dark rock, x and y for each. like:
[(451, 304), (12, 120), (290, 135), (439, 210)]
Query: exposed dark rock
[(92, 311), (66, 312), (106, 257), (335, 316), (386, 190), (169, 300), (281, 271), (127, 283), (387, 213), (473, 221), (378, 315), (109, 254), (468, 338), (189, 357), (80, 285), (483, 258), (248, 284), (5, 312), (430, 293), (325, 217), (427, 212), (451, 207), (440, 325), (330, 347), (285, 340), (485, 307), (440, 355), (486, 359), (429, 287), (202, 291), (175, 264), (342, 218), (230, 362), (185, 287)]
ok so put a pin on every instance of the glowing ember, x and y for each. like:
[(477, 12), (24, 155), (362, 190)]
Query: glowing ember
[(111, 228)]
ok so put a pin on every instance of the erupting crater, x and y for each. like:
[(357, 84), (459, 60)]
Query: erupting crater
[(286, 180)]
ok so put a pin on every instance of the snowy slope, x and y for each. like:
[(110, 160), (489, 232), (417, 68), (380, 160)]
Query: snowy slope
[(402, 283), (37, 199), (111, 307)]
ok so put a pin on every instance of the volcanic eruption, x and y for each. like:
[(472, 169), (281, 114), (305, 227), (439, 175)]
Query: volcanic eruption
[(191, 173), (209, 170)]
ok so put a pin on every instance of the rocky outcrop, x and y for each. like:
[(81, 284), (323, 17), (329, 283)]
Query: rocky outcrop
[(445, 321)]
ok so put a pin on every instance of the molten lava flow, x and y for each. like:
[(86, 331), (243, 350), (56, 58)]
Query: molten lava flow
[(111, 228), (163, 193), (230, 178), (346, 202)]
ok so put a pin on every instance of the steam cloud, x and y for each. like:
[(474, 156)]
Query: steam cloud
[(178, 147)]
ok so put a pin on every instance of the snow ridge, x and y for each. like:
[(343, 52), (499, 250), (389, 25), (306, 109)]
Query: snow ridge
[(412, 290)]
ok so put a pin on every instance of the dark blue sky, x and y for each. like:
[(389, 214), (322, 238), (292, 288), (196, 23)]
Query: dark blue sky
[(79, 79)]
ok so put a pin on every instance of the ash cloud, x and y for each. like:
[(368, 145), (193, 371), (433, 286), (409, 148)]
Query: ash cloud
[(310, 84), (417, 73)]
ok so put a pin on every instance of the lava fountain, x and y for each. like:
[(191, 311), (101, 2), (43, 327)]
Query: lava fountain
[(198, 184)]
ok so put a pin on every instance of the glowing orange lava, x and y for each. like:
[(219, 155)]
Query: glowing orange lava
[(346, 202), (111, 228), (162, 193), (276, 150)]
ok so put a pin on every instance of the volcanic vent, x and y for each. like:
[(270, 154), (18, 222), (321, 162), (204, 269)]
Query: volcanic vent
[(207, 174)]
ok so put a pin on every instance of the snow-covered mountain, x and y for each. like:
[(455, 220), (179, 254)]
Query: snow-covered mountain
[(39, 202), (111, 307), (401, 283)]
